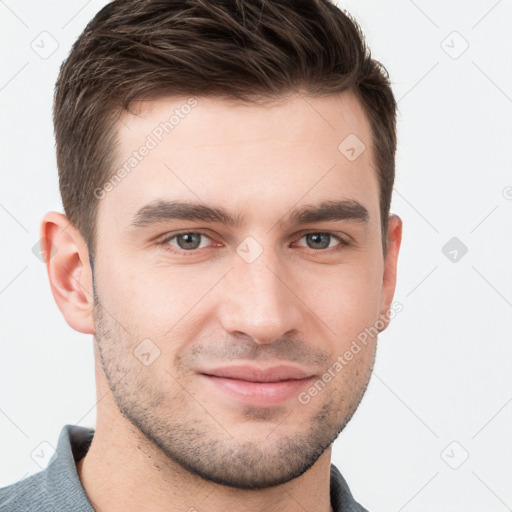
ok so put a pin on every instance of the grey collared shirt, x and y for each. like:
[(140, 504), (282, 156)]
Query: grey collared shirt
[(57, 488)]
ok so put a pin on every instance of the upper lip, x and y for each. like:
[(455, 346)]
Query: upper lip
[(255, 374)]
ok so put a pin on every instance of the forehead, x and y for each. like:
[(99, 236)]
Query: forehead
[(258, 161)]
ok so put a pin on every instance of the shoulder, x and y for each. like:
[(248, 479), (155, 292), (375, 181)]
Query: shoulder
[(341, 497), (26, 494), (57, 487)]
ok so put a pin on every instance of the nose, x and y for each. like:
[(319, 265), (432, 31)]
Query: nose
[(259, 300)]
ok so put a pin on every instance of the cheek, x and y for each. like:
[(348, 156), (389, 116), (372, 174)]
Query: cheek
[(348, 306), (162, 304), (142, 287)]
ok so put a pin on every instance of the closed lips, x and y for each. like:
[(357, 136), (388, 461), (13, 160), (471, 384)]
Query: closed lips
[(254, 374)]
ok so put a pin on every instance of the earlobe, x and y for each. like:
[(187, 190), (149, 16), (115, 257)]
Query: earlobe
[(67, 262), (394, 240)]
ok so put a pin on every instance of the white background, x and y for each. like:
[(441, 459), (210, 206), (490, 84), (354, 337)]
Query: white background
[(443, 367)]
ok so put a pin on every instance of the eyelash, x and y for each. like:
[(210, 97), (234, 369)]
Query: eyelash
[(183, 252)]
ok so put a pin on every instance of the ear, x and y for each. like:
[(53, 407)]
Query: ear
[(67, 262), (394, 240)]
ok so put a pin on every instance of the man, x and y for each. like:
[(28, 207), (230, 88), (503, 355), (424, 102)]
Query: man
[(226, 171)]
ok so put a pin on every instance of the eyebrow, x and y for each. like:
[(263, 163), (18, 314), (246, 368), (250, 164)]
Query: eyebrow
[(159, 211)]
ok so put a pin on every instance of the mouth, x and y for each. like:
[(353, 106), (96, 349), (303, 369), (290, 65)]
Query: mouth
[(259, 387)]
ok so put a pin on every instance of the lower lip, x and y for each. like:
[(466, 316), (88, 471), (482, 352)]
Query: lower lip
[(259, 394)]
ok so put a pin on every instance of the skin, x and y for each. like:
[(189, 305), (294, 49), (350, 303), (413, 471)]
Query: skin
[(164, 439)]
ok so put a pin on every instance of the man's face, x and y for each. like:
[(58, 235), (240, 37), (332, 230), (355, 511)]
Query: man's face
[(269, 290)]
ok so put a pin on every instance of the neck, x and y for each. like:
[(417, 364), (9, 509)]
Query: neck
[(123, 471)]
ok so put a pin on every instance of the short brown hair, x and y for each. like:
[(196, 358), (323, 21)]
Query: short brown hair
[(242, 49)]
